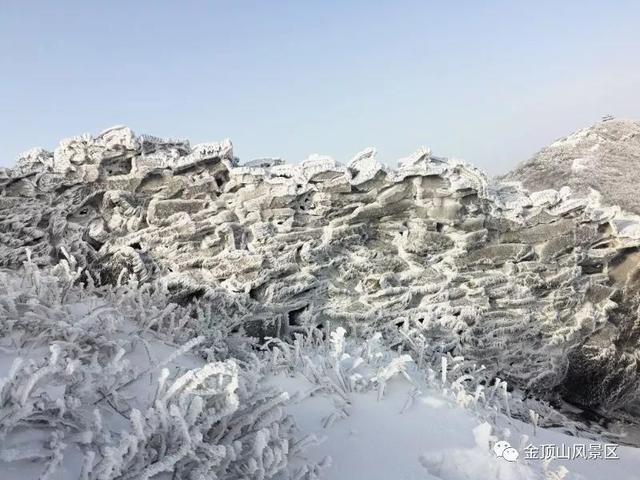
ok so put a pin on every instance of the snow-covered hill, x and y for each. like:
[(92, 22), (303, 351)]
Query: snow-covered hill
[(604, 157)]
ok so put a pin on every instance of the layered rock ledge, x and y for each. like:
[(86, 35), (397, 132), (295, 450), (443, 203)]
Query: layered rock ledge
[(539, 287)]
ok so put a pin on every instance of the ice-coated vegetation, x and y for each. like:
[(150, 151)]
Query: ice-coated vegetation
[(93, 388)]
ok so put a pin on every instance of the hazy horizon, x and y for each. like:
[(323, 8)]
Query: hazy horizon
[(491, 83)]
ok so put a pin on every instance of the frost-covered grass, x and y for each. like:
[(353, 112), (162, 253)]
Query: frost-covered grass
[(119, 383), (381, 416)]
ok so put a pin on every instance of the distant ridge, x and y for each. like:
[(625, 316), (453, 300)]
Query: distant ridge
[(604, 157)]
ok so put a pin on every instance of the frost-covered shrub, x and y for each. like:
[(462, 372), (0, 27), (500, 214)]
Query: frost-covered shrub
[(342, 364), (208, 421), (33, 298), (200, 425), (339, 364), (92, 388)]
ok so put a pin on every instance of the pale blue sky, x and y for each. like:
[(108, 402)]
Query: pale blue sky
[(487, 81)]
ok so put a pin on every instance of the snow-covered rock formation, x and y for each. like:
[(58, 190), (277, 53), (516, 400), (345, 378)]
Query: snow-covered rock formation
[(604, 158), (540, 288)]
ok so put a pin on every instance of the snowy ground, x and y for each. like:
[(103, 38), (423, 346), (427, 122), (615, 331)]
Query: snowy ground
[(433, 438), (415, 431)]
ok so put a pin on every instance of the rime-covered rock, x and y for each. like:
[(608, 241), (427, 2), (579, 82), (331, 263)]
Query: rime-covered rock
[(540, 288), (604, 158)]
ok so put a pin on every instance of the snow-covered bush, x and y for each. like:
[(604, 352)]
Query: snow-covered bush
[(93, 388), (338, 365)]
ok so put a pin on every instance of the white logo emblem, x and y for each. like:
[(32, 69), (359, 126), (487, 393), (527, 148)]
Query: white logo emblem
[(505, 450)]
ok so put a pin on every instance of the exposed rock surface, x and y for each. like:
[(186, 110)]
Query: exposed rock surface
[(604, 157), (538, 287)]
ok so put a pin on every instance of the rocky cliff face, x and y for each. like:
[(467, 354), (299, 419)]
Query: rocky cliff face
[(604, 158), (540, 287)]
